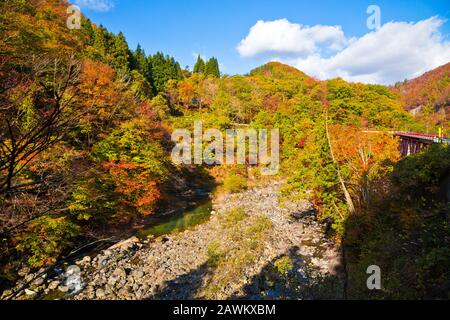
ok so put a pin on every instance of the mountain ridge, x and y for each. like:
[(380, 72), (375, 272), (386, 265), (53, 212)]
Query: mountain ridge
[(433, 87)]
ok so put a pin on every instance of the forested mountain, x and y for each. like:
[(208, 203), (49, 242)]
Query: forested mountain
[(85, 147), (432, 88), (428, 96), (70, 98)]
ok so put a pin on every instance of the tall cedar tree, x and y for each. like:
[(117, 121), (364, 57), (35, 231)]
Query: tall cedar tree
[(121, 53), (164, 68), (199, 66), (212, 68)]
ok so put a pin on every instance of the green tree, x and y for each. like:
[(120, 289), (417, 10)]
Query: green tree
[(100, 42), (87, 32), (212, 68), (164, 68), (141, 63), (199, 66), (121, 53)]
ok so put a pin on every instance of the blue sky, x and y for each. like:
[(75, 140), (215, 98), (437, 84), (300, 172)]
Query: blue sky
[(216, 28)]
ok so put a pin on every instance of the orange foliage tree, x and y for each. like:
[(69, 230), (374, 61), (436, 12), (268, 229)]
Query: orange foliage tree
[(363, 158), (138, 187)]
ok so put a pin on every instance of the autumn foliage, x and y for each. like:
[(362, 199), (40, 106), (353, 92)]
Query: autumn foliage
[(136, 186), (85, 147)]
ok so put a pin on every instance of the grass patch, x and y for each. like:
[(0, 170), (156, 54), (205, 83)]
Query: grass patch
[(233, 217), (284, 265), (243, 241), (214, 254), (235, 183)]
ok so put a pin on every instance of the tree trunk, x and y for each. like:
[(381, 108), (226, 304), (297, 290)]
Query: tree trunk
[(348, 198)]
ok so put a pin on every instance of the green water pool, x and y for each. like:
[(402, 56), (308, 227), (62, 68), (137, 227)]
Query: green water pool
[(178, 222)]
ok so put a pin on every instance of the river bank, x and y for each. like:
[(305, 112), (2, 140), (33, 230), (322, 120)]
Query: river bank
[(272, 249)]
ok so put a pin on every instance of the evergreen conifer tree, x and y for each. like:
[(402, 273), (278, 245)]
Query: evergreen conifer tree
[(121, 53), (212, 68), (199, 66)]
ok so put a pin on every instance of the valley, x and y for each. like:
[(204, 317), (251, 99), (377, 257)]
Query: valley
[(124, 175), (294, 258)]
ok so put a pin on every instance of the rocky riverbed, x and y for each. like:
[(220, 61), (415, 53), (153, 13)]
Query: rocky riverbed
[(296, 259)]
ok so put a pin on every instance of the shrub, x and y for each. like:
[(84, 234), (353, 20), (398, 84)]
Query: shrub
[(214, 255), (45, 239), (235, 183), (260, 225), (243, 240), (234, 216), (284, 265)]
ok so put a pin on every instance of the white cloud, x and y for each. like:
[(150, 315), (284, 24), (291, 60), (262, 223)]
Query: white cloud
[(95, 5), (398, 50), (283, 37)]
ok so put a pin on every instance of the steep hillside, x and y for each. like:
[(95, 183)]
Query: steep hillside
[(85, 154), (428, 97), (277, 70), (36, 27), (77, 123), (430, 89)]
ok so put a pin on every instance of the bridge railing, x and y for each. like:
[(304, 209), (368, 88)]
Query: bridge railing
[(414, 135), (423, 136)]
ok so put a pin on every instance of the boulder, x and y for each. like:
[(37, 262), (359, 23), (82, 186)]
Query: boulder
[(126, 244), (30, 293), (24, 271), (100, 294), (63, 288), (53, 285)]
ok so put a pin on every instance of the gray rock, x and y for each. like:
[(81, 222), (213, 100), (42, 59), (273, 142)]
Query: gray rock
[(30, 293), (39, 281), (124, 245), (63, 288), (53, 285), (120, 273), (29, 277), (5, 294), (100, 294), (112, 281), (24, 271)]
